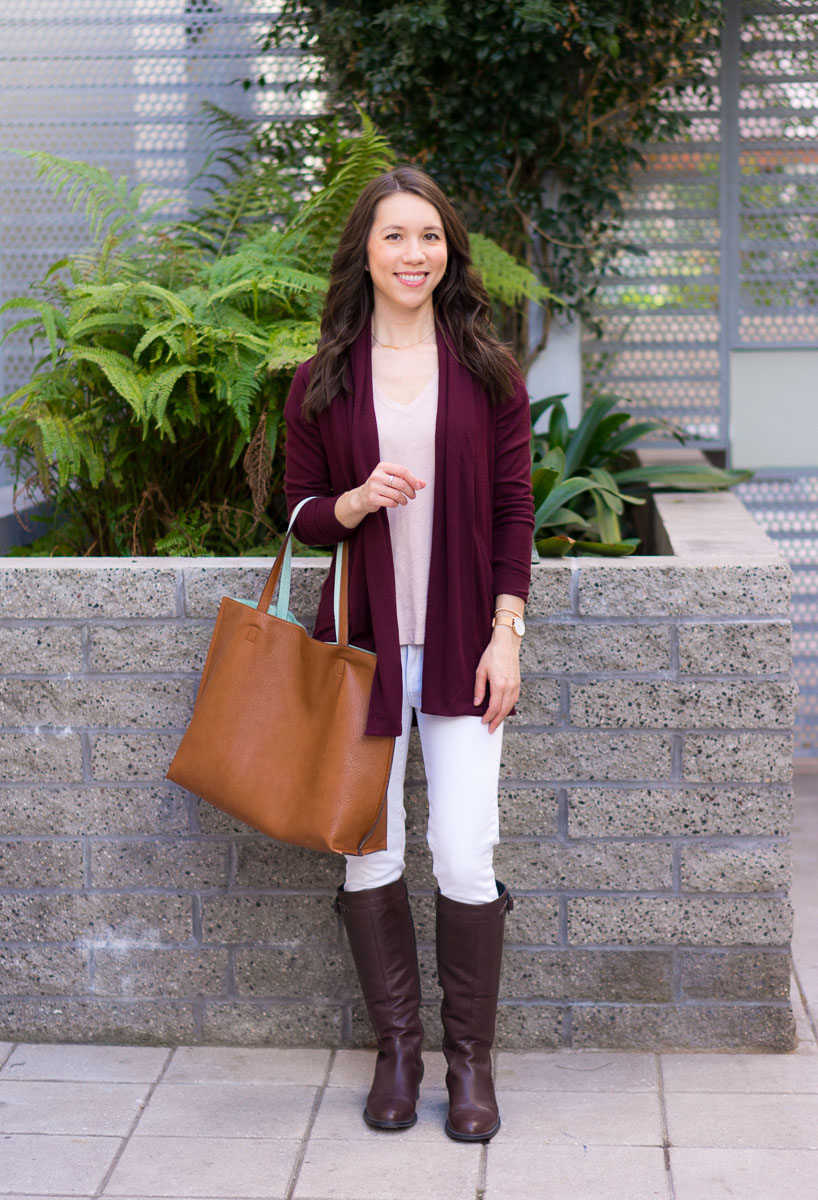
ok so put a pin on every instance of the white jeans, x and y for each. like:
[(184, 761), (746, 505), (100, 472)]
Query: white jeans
[(462, 761)]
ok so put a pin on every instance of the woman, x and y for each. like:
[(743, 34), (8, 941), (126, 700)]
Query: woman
[(411, 428)]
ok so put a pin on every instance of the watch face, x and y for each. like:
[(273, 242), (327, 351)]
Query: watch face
[(519, 625)]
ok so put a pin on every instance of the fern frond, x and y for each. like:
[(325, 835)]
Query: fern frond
[(505, 279), (103, 196)]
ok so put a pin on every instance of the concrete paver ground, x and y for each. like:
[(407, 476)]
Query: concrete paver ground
[(223, 1123)]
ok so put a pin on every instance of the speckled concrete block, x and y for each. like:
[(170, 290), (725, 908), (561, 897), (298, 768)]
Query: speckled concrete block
[(121, 758), (52, 757), (150, 648), (93, 810), (586, 648), (740, 647), (147, 704), (258, 1023), (99, 1019), (577, 866), (739, 757), (295, 971), (41, 648), (178, 862), (92, 589), (55, 864), (684, 1027), (577, 975), (702, 810), (710, 921), (539, 703), (44, 970), (573, 755), (169, 973), (684, 588), (637, 703), (735, 974), (750, 867)]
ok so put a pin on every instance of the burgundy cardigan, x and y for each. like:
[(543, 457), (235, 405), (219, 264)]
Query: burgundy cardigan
[(482, 526)]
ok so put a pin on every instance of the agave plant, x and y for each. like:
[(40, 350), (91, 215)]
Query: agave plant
[(578, 475), (152, 418)]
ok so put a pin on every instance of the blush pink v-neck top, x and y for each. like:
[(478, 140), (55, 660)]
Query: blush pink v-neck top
[(406, 435)]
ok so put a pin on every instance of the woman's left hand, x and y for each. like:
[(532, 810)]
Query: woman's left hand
[(499, 668)]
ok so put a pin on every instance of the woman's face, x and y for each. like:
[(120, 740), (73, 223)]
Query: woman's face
[(406, 251)]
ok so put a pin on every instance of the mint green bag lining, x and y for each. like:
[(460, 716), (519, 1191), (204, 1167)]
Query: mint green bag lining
[(280, 606)]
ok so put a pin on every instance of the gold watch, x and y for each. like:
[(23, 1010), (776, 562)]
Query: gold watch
[(516, 623)]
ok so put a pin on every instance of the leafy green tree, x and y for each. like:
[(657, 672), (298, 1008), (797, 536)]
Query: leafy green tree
[(531, 113)]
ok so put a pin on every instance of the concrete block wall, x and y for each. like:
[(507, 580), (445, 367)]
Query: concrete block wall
[(645, 813)]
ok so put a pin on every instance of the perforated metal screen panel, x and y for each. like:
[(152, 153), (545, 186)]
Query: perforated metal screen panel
[(118, 83)]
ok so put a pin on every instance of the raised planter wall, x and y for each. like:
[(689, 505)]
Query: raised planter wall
[(645, 812)]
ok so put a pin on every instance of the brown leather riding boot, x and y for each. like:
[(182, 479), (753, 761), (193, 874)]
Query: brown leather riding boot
[(381, 937), (469, 955)]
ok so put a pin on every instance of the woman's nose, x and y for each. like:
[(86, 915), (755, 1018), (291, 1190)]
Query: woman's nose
[(414, 252)]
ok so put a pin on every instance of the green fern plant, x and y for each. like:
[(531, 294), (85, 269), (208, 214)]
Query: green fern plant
[(163, 354)]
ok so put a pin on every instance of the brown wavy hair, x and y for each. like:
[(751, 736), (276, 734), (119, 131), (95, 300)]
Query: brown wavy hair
[(461, 303)]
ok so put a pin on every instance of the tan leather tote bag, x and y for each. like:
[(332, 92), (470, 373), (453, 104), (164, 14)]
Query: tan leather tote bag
[(277, 734)]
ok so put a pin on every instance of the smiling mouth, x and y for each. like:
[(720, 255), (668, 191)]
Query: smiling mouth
[(411, 277)]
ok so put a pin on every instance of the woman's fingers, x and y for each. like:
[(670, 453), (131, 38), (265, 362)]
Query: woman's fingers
[(389, 485)]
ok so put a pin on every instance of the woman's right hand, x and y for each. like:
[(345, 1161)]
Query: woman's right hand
[(389, 485)]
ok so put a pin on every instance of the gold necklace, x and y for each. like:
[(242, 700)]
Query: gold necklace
[(410, 346)]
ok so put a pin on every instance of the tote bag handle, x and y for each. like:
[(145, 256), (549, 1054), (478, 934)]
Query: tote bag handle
[(283, 567)]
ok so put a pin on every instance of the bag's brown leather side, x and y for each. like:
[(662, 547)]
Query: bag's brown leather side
[(277, 735)]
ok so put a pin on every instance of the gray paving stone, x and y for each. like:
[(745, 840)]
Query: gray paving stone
[(99, 919), (576, 1071), (581, 1118), (104, 1064), (550, 588), (340, 1117), (218, 1168), (737, 1120), (242, 1064), (120, 758), (353, 1068), (234, 1110), (575, 866), (577, 1173), (283, 919), (84, 1109), (44, 1165), (128, 703), (741, 1073), (751, 1174), (396, 1169)]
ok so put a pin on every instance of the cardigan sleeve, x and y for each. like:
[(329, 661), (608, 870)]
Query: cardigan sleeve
[(513, 503), (307, 473)]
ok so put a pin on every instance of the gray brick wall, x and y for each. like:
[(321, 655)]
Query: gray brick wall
[(645, 816)]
